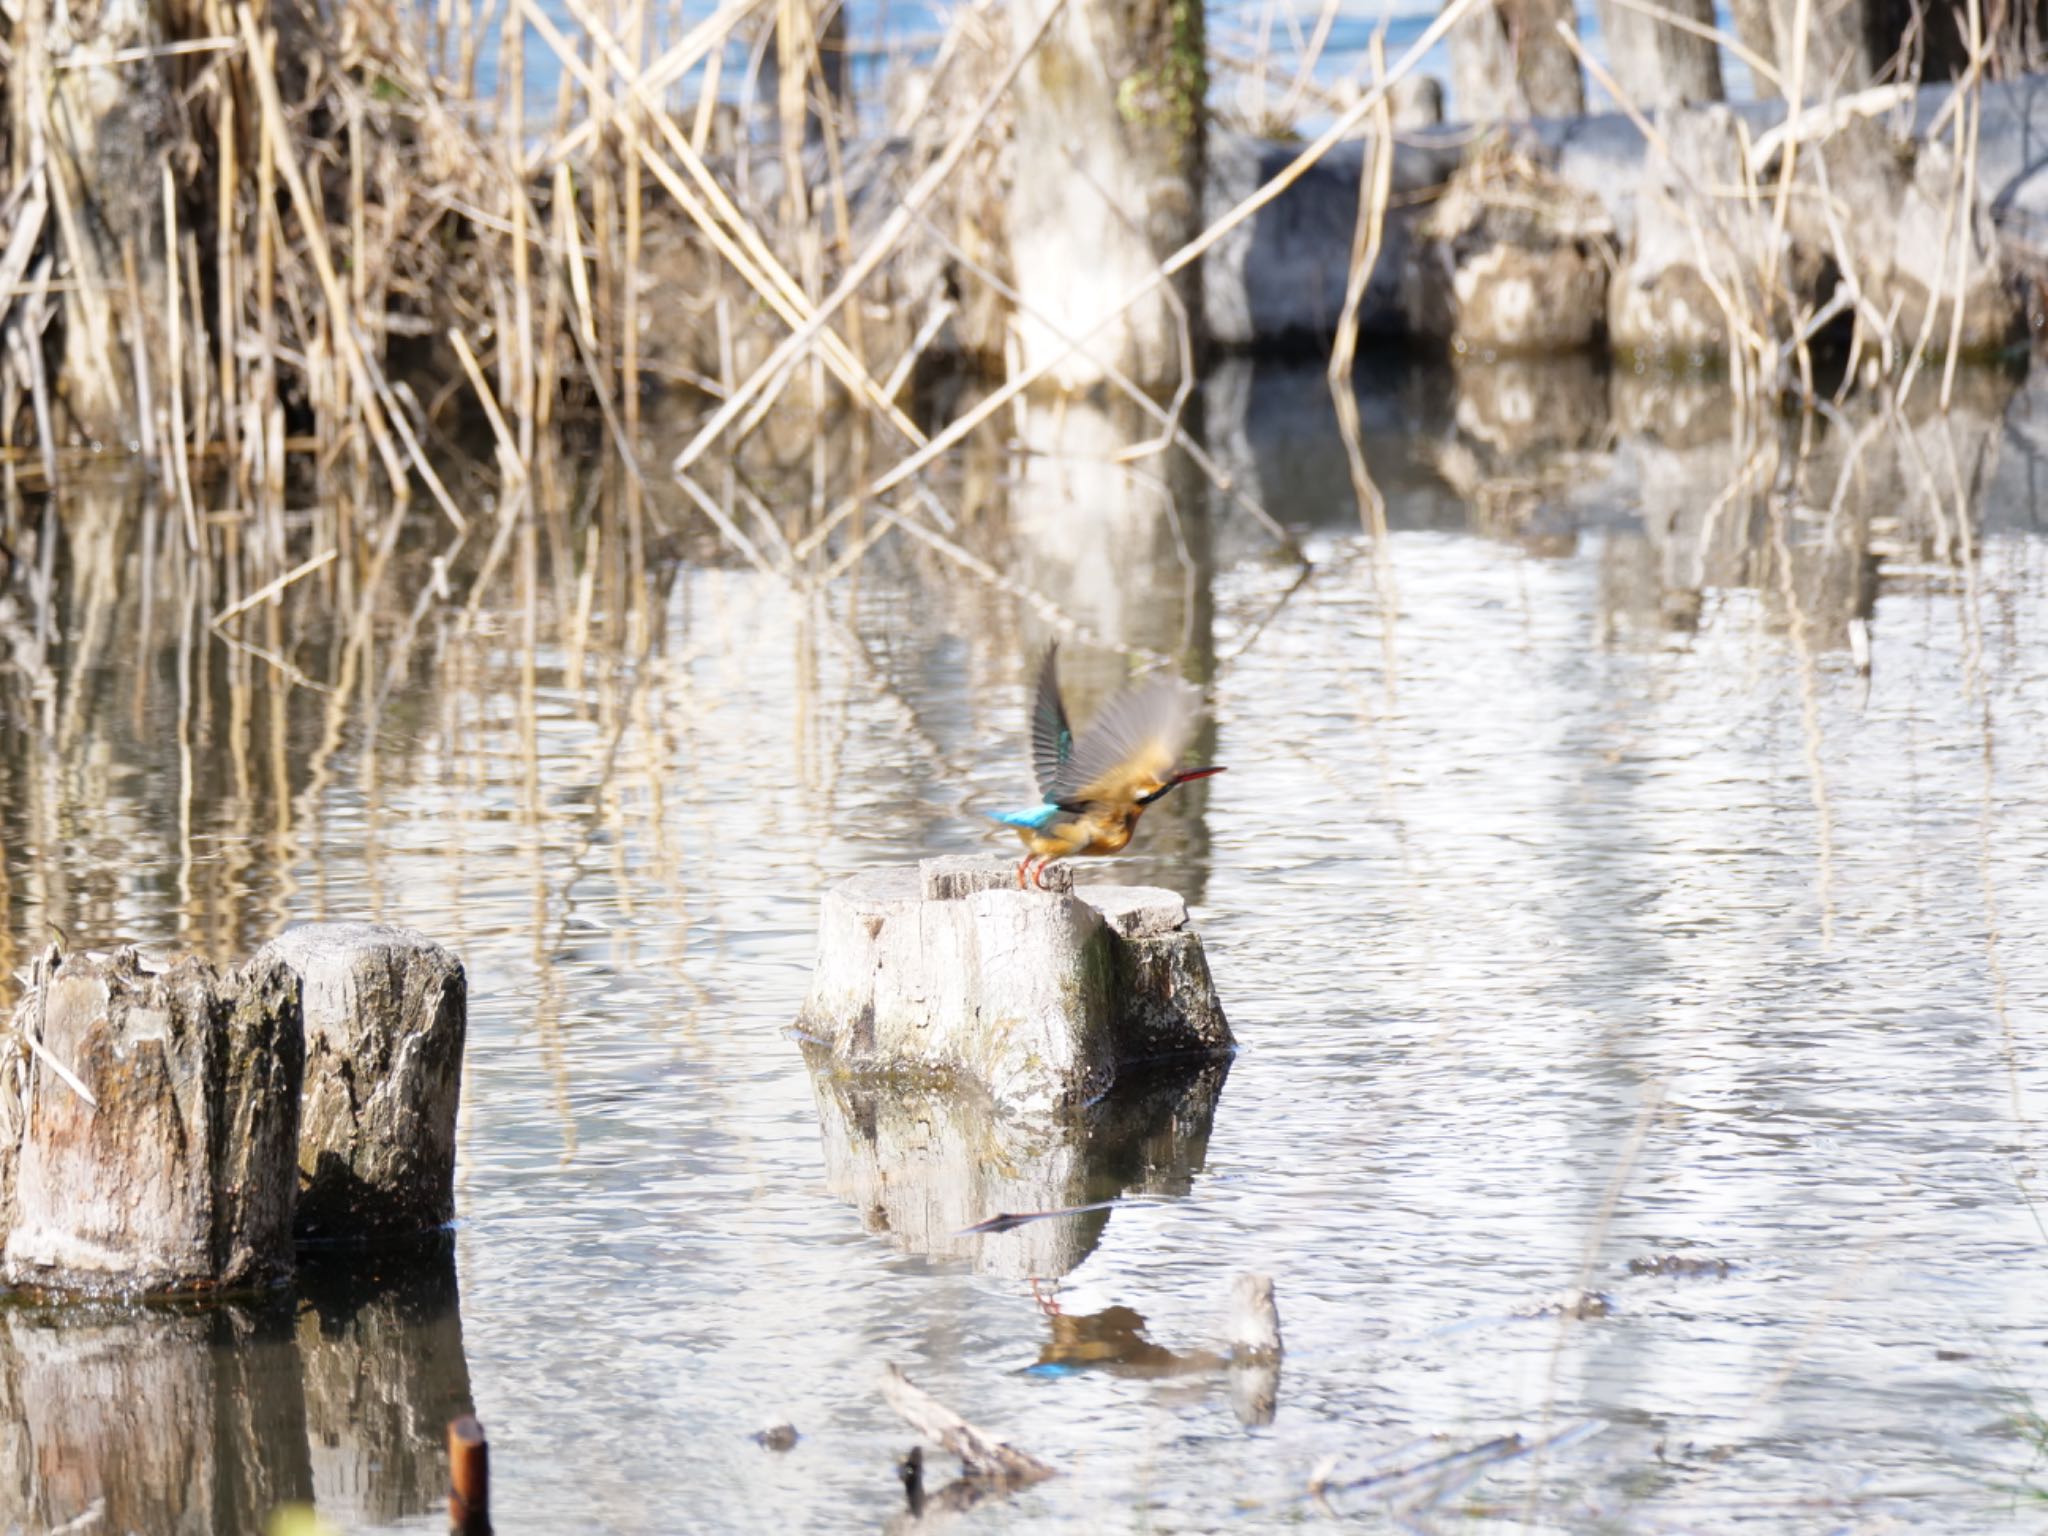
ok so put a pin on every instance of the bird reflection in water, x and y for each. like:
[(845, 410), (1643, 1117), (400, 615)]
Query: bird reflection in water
[(1114, 1340)]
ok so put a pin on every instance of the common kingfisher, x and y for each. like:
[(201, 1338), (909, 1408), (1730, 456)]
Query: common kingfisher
[(1093, 789)]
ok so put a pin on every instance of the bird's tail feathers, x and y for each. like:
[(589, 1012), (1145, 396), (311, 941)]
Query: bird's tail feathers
[(1034, 818)]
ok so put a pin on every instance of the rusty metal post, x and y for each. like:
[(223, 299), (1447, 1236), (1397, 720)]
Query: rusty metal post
[(469, 1478)]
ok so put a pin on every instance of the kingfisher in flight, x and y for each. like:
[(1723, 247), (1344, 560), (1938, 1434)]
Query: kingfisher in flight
[(1094, 787)]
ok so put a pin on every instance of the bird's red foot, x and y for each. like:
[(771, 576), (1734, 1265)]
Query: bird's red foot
[(1048, 1303), (1038, 874), (1022, 865)]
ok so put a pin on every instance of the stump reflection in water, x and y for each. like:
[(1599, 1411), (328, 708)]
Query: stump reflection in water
[(189, 1419), (922, 1166)]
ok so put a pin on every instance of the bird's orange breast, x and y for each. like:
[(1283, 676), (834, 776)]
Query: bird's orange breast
[(1094, 831)]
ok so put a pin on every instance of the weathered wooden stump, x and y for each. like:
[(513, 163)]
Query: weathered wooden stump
[(950, 972), (1104, 184), (386, 1010), (152, 1126)]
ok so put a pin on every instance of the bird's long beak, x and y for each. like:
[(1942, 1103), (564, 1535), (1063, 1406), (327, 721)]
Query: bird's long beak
[(1175, 782)]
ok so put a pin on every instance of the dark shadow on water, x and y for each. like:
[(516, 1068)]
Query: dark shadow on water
[(922, 1166), (204, 1418)]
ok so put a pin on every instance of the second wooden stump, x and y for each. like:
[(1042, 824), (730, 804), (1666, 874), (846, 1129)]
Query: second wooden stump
[(385, 1011)]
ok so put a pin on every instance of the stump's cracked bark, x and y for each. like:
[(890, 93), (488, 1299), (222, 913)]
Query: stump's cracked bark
[(385, 1016), (172, 1168)]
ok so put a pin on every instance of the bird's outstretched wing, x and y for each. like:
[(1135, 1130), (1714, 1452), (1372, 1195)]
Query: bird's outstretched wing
[(1131, 747), (1052, 739)]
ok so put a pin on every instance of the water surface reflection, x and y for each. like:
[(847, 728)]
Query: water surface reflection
[(1634, 856)]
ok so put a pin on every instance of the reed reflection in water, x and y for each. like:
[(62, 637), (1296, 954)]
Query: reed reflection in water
[(1579, 898)]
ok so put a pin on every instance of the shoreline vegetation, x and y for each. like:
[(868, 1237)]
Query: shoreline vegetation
[(245, 243), (381, 357)]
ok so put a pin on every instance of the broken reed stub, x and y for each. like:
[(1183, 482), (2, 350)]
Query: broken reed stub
[(386, 1010), (1041, 997), (149, 1126)]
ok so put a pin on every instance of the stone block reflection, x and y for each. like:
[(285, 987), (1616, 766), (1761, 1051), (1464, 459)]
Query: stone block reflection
[(176, 1419), (922, 1165), (1688, 503)]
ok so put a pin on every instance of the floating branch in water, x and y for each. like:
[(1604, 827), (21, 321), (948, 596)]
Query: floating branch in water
[(980, 1453)]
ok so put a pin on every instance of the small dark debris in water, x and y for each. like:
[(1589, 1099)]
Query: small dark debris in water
[(1579, 1306), (1680, 1267), (1953, 1354), (1005, 1220), (777, 1437)]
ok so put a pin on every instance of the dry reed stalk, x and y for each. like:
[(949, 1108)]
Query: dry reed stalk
[(900, 219), (629, 296), (174, 362), (274, 588), (554, 306), (1971, 116), (728, 529), (604, 245), (138, 359), (1023, 379), (512, 464), (721, 220), (513, 62), (266, 413), (90, 304), (1756, 63), (705, 39), (1795, 99), (374, 397), (1367, 236), (707, 103), (569, 240), (200, 350), (793, 50), (24, 338), (24, 236), (1376, 178), (1304, 73)]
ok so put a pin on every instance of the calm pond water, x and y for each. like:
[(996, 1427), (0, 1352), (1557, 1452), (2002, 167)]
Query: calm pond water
[(1640, 1005)]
